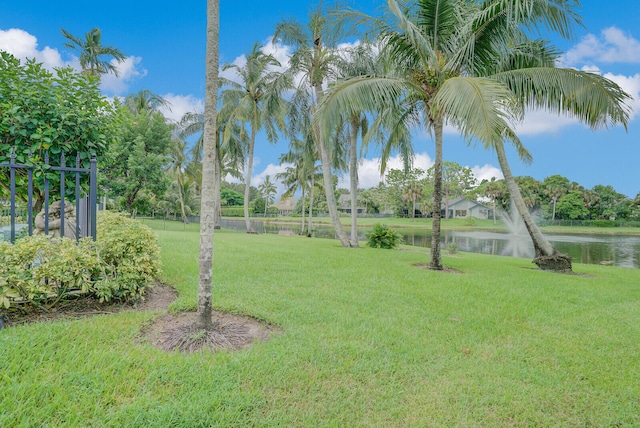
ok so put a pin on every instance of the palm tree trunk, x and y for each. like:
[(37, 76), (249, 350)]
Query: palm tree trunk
[(247, 182), (207, 208), (325, 157), (546, 256), (302, 209), (217, 203), (353, 178), (435, 262), (311, 194)]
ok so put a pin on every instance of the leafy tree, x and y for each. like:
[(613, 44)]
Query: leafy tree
[(92, 52), (138, 158), (256, 100), (231, 197), (610, 204), (43, 112), (572, 206)]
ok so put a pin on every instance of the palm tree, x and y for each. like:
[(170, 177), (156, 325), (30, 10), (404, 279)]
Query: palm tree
[(256, 100), (209, 162), (92, 51), (473, 66), (268, 190), (314, 58), (494, 190), (230, 156), (145, 101), (411, 192), (176, 171)]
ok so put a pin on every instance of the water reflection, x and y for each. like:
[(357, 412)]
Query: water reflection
[(592, 249)]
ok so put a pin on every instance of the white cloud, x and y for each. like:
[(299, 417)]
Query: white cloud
[(631, 85), (128, 70), (181, 104), (271, 170), (486, 172), (613, 45), (23, 45), (369, 170)]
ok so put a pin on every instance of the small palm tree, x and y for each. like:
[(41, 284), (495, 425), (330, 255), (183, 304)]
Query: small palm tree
[(268, 190), (92, 52), (145, 101)]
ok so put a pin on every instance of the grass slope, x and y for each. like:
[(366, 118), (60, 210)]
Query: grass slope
[(368, 340)]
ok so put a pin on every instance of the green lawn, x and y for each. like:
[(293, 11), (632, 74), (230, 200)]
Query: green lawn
[(369, 339)]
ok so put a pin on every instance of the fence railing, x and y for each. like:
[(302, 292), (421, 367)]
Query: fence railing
[(85, 205)]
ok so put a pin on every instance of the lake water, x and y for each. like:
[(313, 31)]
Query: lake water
[(620, 250)]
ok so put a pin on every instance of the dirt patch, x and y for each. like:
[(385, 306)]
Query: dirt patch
[(444, 268), (168, 332), (180, 332), (156, 298)]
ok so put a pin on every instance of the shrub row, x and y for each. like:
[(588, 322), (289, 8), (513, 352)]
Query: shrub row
[(39, 271)]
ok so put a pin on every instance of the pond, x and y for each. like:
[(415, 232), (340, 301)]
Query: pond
[(619, 250)]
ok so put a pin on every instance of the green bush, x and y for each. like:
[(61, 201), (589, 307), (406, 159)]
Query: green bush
[(39, 271), (470, 221), (130, 257), (232, 211), (383, 237)]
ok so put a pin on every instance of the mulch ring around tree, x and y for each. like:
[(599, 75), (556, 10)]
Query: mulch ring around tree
[(168, 332)]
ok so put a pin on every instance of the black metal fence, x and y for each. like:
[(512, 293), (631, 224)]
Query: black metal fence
[(85, 205)]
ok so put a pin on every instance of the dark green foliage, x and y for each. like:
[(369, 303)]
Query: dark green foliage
[(383, 237), (135, 164), (41, 112)]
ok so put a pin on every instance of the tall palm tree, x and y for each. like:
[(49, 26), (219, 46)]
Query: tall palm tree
[(92, 52), (314, 58), (465, 63), (256, 100), (268, 190), (209, 162), (176, 171), (145, 101)]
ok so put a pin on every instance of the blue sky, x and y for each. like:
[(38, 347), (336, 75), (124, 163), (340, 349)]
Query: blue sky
[(164, 42)]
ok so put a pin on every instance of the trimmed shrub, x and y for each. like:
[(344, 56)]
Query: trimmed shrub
[(383, 237), (39, 270), (130, 257)]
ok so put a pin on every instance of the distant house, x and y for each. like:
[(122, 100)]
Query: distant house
[(465, 208), (286, 206), (344, 204)]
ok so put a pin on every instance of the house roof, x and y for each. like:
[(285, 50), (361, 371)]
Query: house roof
[(455, 201)]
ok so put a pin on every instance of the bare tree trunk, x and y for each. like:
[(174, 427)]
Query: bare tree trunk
[(435, 262), (353, 179), (547, 257), (207, 207), (247, 182), (325, 157), (311, 194), (303, 209), (217, 203)]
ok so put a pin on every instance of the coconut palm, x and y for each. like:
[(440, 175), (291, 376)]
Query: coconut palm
[(92, 52), (145, 101), (268, 190), (473, 66), (257, 100), (314, 59)]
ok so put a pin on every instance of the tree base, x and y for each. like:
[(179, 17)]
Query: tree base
[(557, 263)]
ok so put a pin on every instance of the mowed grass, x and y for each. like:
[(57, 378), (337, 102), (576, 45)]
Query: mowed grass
[(368, 339)]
